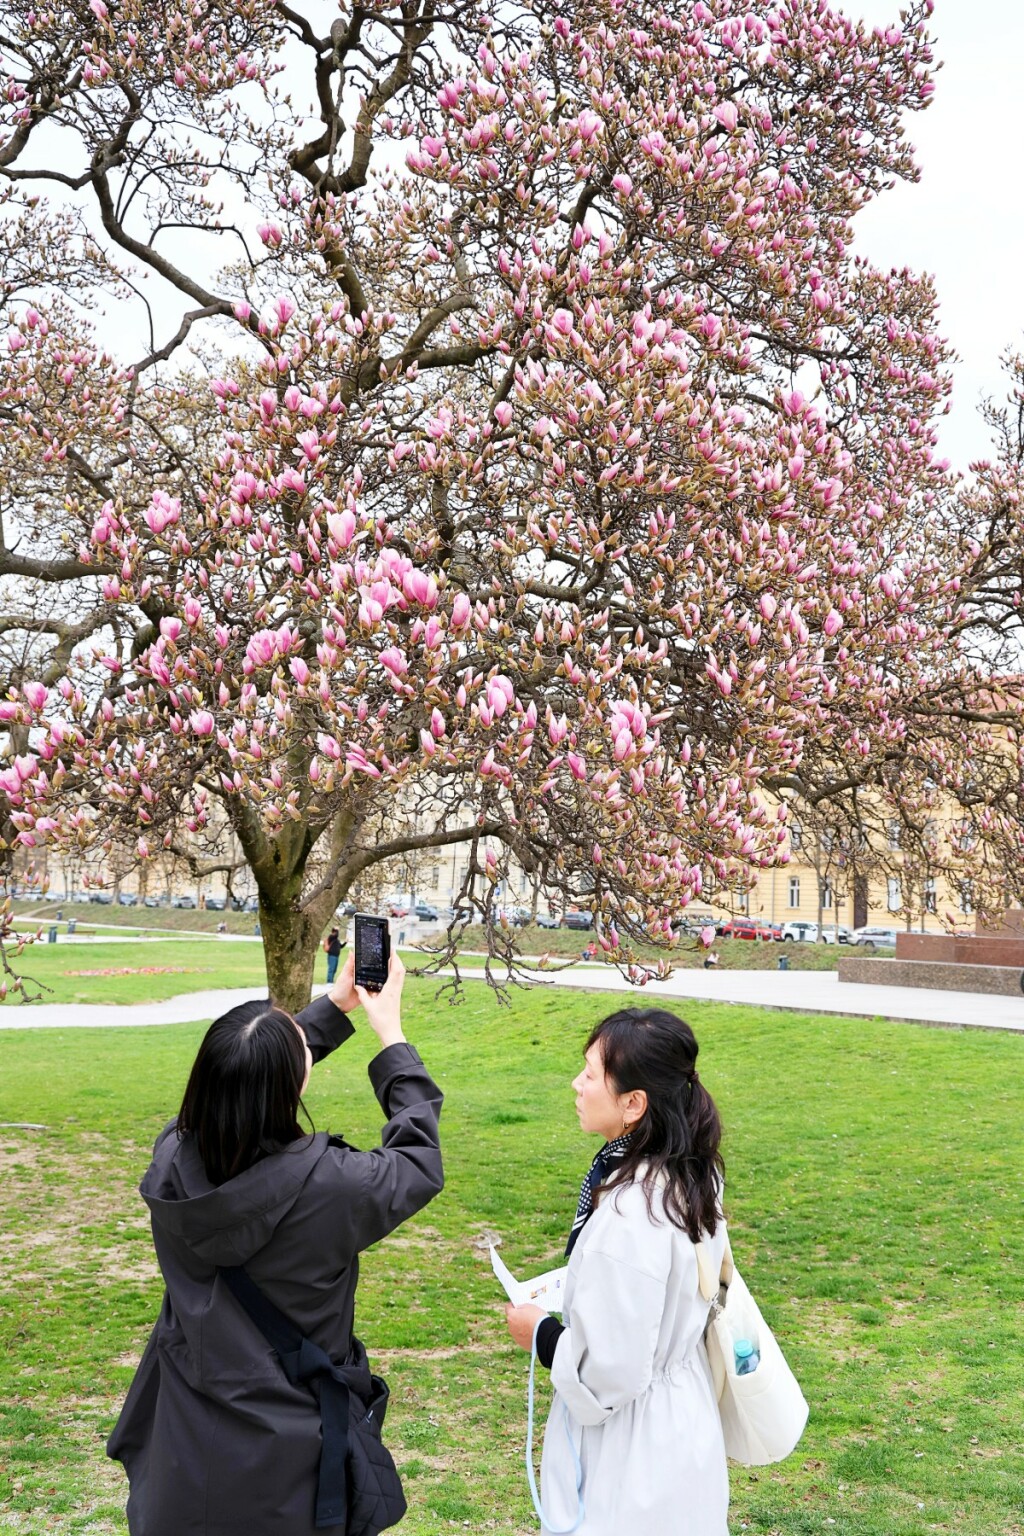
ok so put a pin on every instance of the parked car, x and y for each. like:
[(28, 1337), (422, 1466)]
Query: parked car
[(800, 933), (216, 903), (548, 920), (578, 920), (425, 912), (874, 938), (152, 901), (183, 901), (399, 905), (695, 922), (101, 898), (517, 916), (746, 928), (836, 935), (127, 899)]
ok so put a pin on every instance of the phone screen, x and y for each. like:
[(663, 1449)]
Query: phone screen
[(373, 951)]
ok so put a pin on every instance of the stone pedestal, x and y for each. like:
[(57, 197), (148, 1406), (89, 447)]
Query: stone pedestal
[(962, 948), (984, 961), (944, 976)]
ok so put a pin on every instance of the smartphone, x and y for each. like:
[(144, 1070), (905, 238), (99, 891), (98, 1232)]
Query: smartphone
[(372, 951)]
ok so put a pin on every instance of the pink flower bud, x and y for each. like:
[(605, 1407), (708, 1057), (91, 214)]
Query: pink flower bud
[(202, 722), (461, 609), (35, 694), (342, 528)]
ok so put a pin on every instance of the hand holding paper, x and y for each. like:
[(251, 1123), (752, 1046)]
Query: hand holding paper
[(542, 1291)]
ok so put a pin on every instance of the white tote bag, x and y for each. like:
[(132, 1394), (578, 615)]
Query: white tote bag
[(763, 1413)]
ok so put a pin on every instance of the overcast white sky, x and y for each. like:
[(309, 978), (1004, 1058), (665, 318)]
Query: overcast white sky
[(964, 220)]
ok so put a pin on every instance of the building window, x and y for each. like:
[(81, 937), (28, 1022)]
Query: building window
[(828, 840), (931, 900), (435, 877), (794, 890), (826, 893), (895, 894), (796, 836), (967, 897), (892, 835)]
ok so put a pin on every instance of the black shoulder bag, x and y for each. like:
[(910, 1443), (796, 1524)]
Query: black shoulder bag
[(358, 1487)]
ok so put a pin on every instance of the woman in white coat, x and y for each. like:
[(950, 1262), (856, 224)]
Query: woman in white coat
[(634, 1439)]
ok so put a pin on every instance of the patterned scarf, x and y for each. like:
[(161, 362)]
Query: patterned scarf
[(610, 1155)]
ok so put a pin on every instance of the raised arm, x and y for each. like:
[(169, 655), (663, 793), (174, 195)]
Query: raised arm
[(397, 1178)]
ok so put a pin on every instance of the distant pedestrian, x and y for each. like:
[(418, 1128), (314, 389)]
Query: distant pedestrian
[(332, 949)]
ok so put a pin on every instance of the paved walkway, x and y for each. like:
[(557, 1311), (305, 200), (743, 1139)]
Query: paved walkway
[(796, 991)]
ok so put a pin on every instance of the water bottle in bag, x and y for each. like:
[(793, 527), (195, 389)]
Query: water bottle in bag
[(747, 1357)]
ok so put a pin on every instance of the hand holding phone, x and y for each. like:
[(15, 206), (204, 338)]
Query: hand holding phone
[(372, 951), (383, 1009)]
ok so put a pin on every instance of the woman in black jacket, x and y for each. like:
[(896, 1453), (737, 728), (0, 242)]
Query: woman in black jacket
[(215, 1437)]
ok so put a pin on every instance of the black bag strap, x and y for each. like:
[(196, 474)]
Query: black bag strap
[(307, 1364)]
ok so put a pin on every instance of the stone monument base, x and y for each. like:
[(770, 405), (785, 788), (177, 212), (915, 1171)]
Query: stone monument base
[(945, 976)]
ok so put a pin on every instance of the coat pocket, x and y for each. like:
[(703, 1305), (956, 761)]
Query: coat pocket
[(375, 1497)]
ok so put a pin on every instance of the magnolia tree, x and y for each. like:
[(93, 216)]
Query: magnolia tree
[(515, 452)]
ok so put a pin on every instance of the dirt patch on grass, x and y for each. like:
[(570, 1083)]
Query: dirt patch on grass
[(72, 1210), (15, 1158)]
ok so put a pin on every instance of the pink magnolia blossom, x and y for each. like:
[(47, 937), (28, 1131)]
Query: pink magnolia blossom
[(342, 527)]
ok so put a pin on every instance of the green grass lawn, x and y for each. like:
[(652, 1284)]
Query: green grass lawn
[(92, 917), (874, 1198), (136, 972)]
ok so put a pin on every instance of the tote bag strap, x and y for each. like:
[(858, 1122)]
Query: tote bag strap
[(531, 1476), (304, 1362), (710, 1289)]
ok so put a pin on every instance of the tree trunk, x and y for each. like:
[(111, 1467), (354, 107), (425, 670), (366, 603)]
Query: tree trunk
[(291, 943)]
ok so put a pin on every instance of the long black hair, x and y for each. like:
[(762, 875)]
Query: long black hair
[(244, 1092), (678, 1137)]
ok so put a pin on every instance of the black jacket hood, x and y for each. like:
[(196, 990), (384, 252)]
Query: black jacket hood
[(226, 1223)]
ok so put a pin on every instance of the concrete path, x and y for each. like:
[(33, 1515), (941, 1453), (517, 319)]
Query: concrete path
[(796, 991)]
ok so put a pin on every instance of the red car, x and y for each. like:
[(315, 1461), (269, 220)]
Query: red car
[(746, 928)]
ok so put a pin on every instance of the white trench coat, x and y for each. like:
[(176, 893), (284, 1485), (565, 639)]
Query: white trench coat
[(633, 1392)]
